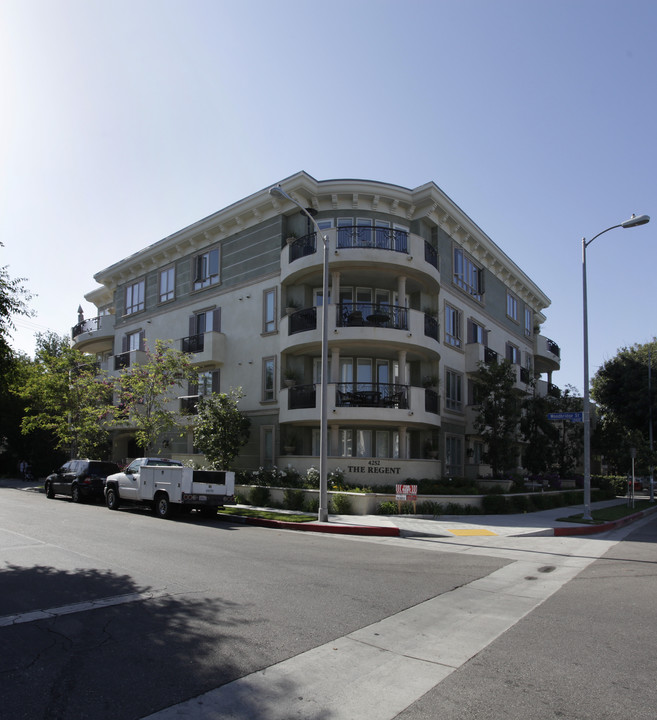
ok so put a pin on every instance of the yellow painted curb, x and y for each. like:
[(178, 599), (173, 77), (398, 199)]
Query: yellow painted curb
[(471, 531)]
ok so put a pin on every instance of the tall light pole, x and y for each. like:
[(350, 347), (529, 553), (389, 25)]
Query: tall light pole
[(632, 222), (322, 514)]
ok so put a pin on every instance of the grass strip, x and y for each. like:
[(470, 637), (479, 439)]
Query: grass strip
[(608, 514), (267, 515)]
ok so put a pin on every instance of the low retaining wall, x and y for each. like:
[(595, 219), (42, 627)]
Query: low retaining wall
[(368, 503)]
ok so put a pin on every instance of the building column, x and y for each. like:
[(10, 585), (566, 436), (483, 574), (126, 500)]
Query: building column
[(401, 359), (403, 455), (401, 289)]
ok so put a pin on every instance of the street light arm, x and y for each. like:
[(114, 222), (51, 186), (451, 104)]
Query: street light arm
[(634, 221)]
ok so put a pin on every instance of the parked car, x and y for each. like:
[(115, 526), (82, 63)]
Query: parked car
[(80, 479)]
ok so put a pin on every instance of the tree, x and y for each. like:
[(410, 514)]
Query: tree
[(220, 429), (499, 414), (621, 386), (66, 395), (146, 392), (540, 434), (14, 299)]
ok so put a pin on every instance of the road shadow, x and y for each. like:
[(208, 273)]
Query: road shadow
[(110, 663)]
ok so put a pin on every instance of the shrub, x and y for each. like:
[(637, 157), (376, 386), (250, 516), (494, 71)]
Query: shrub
[(312, 505), (260, 496), (455, 509), (342, 504), (429, 507), (518, 504), (294, 499), (387, 508)]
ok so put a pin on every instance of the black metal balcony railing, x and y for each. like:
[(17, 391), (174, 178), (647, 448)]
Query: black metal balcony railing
[(553, 347), (302, 320), (301, 396), (122, 361), (193, 343), (430, 255), (430, 326), (430, 401), (524, 375), (553, 390), (366, 314), (91, 325), (303, 246), (355, 394), (366, 236), (490, 356)]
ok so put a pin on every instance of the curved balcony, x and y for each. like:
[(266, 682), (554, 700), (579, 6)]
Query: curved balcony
[(361, 246), (95, 335), (360, 323), (547, 355), (352, 403)]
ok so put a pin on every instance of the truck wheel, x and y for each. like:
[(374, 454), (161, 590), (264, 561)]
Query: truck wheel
[(50, 493), (163, 508), (112, 499), (75, 494)]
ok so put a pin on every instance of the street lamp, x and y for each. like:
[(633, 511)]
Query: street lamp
[(322, 514), (632, 222)]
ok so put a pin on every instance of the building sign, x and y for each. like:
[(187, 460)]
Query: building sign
[(374, 467)]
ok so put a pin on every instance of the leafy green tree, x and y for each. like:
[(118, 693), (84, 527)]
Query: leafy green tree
[(220, 429), (499, 414), (147, 392), (540, 434), (67, 396), (14, 299), (621, 386), (570, 444)]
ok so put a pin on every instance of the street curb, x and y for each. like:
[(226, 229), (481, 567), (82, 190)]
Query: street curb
[(611, 525), (316, 527)]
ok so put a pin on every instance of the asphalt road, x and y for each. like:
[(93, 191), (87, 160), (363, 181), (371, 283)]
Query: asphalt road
[(587, 653), (196, 603)]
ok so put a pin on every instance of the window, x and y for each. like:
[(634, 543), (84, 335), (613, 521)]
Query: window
[(453, 455), (477, 333), (512, 306), (512, 354), (133, 341), (453, 391), (268, 375), (267, 446), (206, 269), (467, 275), (269, 311), (134, 297), (167, 284), (452, 326), (528, 322), (208, 383)]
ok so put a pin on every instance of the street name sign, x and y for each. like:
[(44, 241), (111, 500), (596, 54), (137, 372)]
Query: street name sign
[(573, 416)]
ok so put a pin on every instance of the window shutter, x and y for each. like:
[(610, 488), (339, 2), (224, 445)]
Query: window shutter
[(124, 343), (215, 381), (142, 340), (192, 325), (216, 320)]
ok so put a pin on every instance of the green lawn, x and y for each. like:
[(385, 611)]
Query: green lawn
[(268, 515), (614, 512)]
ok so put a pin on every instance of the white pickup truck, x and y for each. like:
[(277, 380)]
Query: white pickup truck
[(167, 486)]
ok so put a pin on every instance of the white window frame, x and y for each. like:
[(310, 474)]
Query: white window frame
[(135, 297), (167, 290), (467, 275), (269, 379), (511, 306), (529, 322), (204, 266), (269, 310), (453, 326), (453, 390)]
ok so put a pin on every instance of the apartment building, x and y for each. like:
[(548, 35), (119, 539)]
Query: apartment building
[(418, 297)]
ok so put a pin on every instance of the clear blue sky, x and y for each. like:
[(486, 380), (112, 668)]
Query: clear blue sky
[(125, 121)]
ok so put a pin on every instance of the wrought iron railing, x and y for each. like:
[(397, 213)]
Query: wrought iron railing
[(368, 314), (553, 347), (366, 236), (430, 326), (122, 361), (302, 320), (357, 394), (90, 325), (490, 356), (430, 401), (430, 254), (301, 396), (303, 246), (193, 343)]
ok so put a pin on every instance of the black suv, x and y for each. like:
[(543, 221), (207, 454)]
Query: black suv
[(80, 479)]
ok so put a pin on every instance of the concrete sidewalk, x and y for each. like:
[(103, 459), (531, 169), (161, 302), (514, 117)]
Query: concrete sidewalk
[(542, 523)]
